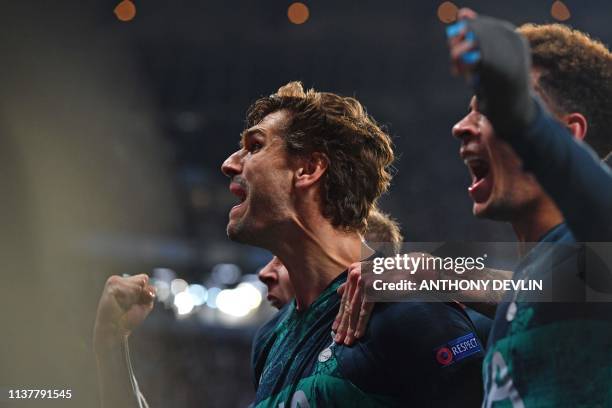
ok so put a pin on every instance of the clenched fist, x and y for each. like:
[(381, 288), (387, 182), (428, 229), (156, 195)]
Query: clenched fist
[(123, 306)]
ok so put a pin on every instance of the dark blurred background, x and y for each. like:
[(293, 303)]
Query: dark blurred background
[(115, 117)]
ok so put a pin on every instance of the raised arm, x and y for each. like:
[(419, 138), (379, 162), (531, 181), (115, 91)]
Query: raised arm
[(124, 304), (497, 62)]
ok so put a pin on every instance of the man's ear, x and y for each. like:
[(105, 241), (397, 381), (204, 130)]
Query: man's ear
[(311, 169), (577, 124)]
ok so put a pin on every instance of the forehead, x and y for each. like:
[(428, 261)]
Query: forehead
[(535, 74), (273, 124), (275, 266)]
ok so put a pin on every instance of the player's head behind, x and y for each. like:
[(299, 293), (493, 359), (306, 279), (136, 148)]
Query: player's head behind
[(383, 231), (276, 278), (572, 76), (305, 153), (381, 228)]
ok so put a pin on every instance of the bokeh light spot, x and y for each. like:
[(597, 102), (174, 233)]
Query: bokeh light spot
[(559, 11), (298, 13), (183, 303), (447, 12), (125, 11)]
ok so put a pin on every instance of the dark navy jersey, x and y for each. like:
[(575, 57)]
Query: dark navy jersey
[(557, 354), (552, 353), (412, 354), (481, 322)]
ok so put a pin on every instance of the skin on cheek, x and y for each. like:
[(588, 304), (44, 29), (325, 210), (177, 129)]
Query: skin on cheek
[(513, 188), (269, 178), (285, 284)]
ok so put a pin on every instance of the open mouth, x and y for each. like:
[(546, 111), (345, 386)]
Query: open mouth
[(482, 178), (239, 191)]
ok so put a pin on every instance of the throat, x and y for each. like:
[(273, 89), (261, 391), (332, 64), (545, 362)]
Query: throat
[(317, 261), (534, 223), (310, 283)]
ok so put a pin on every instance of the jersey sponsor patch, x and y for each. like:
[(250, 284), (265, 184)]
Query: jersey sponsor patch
[(457, 349)]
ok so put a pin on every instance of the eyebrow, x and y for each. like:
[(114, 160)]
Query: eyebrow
[(249, 132)]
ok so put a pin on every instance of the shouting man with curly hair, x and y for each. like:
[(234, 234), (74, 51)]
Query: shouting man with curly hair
[(542, 91)]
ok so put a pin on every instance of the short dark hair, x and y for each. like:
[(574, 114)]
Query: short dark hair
[(360, 153), (576, 77)]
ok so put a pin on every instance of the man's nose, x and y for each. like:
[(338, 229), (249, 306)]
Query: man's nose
[(232, 165), (267, 274), (467, 127)]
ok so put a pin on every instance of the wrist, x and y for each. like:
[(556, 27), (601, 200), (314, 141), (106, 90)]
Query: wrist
[(107, 338)]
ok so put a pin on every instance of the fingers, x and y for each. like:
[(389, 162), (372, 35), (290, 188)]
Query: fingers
[(147, 290), (124, 304), (466, 13), (463, 58), (131, 290), (147, 295), (344, 298), (355, 310), (364, 318), (464, 53), (346, 306), (342, 292)]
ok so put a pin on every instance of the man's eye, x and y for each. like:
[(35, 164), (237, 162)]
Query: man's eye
[(255, 146)]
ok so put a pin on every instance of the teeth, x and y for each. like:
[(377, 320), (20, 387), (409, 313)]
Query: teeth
[(472, 160)]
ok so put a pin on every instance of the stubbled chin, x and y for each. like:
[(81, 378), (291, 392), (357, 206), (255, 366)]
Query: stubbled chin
[(237, 233), (234, 224), (480, 209), (240, 227)]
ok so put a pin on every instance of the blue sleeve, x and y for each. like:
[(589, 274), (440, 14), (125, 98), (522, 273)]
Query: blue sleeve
[(399, 355), (571, 173)]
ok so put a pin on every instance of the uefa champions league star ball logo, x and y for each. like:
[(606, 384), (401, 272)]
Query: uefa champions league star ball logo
[(444, 356)]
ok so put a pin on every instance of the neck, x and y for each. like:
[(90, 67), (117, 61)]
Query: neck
[(315, 254), (534, 222)]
